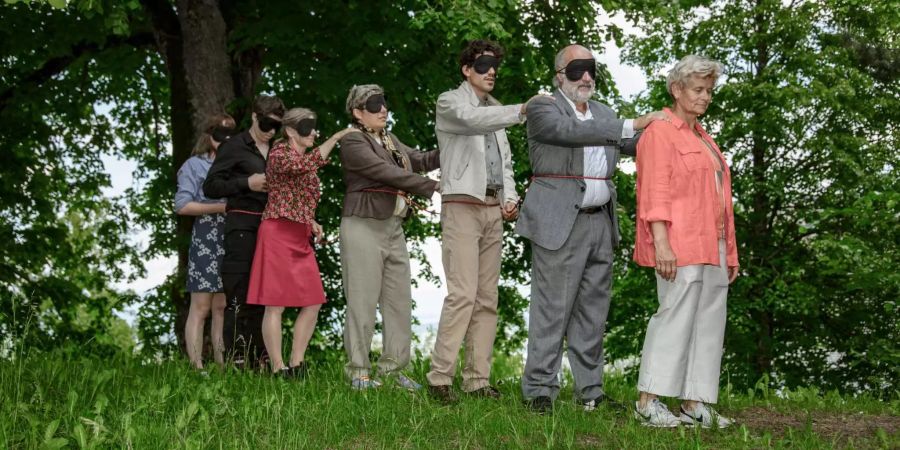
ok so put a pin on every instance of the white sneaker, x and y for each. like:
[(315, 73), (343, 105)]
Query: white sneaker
[(407, 383), (705, 417), (364, 383), (655, 414)]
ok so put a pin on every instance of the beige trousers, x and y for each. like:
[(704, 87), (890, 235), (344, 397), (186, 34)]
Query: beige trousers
[(683, 349), (375, 272), (472, 238)]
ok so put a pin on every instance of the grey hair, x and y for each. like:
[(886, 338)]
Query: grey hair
[(358, 95), (692, 65), (558, 64)]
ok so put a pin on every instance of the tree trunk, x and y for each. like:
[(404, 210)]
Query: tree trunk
[(199, 87), (759, 223), (206, 59)]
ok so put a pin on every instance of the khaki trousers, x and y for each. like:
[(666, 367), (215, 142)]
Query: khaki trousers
[(683, 349), (472, 238), (375, 272)]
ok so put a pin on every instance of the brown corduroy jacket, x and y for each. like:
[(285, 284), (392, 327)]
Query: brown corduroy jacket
[(367, 165)]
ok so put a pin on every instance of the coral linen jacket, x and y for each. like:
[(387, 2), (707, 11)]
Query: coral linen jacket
[(676, 184)]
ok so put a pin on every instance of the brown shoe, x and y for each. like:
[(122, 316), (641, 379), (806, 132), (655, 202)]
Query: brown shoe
[(443, 394), (486, 392)]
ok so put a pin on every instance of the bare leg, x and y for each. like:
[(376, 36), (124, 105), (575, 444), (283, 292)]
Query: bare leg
[(646, 397), (689, 405), (271, 331), (218, 321), (193, 328), (303, 331)]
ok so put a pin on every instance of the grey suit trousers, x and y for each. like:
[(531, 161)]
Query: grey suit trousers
[(570, 293)]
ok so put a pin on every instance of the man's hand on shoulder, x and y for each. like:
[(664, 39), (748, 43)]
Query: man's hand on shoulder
[(644, 121), (524, 108)]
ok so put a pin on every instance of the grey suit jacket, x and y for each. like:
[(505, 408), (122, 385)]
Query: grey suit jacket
[(556, 141)]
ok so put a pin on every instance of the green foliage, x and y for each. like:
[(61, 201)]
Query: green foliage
[(810, 128), (88, 79), (807, 114), (59, 401)]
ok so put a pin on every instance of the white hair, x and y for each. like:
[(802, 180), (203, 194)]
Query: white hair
[(558, 64), (692, 65)]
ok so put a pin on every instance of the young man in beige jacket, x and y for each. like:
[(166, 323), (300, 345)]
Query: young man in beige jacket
[(478, 192)]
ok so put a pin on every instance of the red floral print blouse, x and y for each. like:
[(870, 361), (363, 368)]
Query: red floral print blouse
[(293, 184)]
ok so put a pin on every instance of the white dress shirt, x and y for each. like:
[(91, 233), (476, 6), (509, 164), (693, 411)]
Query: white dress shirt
[(596, 192)]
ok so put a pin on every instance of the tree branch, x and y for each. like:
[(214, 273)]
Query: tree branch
[(54, 66)]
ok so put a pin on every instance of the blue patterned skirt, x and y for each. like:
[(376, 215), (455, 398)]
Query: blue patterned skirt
[(205, 256)]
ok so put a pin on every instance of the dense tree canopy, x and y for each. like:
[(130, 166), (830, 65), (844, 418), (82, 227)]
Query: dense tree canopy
[(807, 114)]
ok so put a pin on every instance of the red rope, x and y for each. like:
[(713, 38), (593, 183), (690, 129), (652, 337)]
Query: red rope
[(467, 203), (577, 177), (241, 211), (406, 198)]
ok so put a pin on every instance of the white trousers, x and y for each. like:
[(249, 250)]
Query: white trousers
[(683, 349)]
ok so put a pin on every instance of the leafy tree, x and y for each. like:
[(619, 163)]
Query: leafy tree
[(807, 113), (137, 79)]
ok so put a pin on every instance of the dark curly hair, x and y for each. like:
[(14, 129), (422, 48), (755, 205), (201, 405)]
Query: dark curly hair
[(477, 47)]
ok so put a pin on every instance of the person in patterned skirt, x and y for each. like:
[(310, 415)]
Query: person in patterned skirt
[(205, 255), (285, 272)]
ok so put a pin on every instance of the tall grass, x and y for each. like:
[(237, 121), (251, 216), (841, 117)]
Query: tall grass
[(54, 401)]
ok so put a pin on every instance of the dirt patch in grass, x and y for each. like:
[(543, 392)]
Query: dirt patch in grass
[(835, 427)]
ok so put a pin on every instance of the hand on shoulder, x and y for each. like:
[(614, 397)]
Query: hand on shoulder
[(536, 98)]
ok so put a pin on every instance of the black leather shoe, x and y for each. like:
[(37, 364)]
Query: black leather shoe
[(542, 405), (443, 394), (486, 392), (605, 402)]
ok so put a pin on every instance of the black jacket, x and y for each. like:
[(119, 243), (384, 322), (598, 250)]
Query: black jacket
[(237, 159)]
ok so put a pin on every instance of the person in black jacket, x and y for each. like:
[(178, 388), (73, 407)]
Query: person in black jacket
[(238, 174)]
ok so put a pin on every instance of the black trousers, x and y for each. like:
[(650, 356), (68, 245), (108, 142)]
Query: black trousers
[(242, 330)]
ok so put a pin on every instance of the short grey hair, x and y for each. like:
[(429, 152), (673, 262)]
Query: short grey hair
[(692, 65), (358, 95), (558, 64)]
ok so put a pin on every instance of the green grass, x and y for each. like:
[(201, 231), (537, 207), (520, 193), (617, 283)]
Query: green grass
[(51, 402)]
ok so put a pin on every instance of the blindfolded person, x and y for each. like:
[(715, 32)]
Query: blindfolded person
[(238, 175), (285, 272), (204, 280), (569, 214), (379, 173), (478, 192)]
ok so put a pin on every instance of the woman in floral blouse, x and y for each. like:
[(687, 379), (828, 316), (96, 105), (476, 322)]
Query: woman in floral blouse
[(285, 272)]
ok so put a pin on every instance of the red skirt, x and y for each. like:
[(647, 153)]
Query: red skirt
[(285, 271)]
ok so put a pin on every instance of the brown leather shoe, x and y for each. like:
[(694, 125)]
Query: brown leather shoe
[(443, 394), (486, 392)]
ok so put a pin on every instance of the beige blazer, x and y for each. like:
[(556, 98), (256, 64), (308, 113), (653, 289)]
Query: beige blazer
[(461, 126)]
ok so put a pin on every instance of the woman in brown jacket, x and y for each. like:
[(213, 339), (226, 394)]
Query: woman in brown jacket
[(379, 172)]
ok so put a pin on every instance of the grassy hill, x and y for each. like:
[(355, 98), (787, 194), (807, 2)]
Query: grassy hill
[(57, 402)]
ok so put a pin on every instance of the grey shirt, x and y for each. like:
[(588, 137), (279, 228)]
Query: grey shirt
[(493, 162)]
